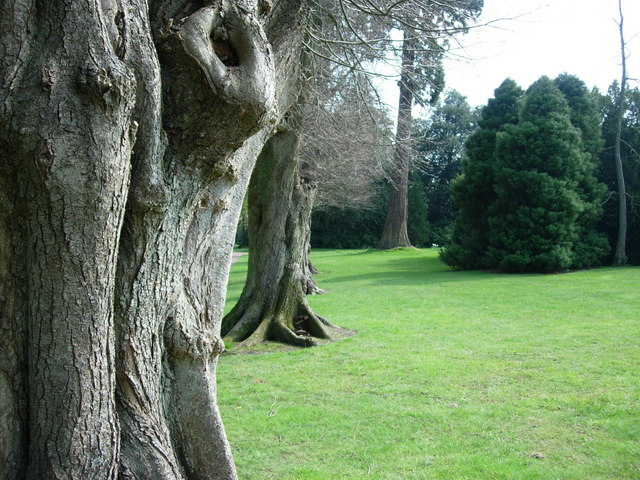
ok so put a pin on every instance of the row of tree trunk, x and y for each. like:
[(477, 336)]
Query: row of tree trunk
[(128, 135)]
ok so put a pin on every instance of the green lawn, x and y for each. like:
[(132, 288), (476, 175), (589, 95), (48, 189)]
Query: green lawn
[(452, 375)]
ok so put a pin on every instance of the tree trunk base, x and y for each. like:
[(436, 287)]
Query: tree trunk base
[(279, 345), (303, 328)]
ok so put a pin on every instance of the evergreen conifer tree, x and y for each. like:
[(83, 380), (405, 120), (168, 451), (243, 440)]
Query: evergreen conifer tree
[(473, 191), (590, 245), (538, 163), (529, 198)]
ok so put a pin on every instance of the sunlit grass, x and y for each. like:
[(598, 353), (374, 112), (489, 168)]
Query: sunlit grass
[(452, 375)]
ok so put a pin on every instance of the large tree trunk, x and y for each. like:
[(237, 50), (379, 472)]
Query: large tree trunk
[(128, 134), (67, 128), (273, 304), (395, 226), (620, 255)]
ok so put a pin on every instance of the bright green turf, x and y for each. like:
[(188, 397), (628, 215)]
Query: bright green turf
[(453, 375)]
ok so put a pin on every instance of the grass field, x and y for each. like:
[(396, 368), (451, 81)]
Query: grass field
[(452, 375)]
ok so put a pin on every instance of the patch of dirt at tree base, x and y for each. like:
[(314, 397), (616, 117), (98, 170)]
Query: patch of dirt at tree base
[(277, 347)]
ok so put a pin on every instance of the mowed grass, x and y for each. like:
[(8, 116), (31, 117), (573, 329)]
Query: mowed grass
[(452, 375)]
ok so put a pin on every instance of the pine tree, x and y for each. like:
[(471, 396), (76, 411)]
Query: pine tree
[(529, 199), (473, 191), (590, 246), (539, 162)]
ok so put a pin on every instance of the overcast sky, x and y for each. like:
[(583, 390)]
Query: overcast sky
[(541, 37)]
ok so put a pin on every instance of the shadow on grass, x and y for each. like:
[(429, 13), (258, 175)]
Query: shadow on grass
[(416, 270)]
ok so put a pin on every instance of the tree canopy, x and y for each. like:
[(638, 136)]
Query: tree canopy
[(529, 199), (473, 191)]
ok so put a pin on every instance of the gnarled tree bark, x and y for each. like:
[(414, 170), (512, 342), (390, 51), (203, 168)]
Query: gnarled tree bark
[(128, 133)]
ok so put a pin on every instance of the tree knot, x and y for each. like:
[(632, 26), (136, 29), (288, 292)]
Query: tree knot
[(231, 48), (108, 86), (191, 343)]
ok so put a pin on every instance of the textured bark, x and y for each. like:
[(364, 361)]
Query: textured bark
[(395, 225), (128, 133), (273, 303), (67, 127)]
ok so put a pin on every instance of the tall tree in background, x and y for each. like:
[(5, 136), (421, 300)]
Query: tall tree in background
[(529, 197), (539, 162), (128, 132), (473, 191), (590, 245), (630, 158), (395, 226), (421, 73), (620, 256)]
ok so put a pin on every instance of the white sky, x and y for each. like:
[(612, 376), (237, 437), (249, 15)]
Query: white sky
[(541, 37)]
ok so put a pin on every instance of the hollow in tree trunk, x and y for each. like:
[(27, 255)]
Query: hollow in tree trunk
[(273, 304)]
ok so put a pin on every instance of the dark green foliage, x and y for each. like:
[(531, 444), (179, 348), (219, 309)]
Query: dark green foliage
[(630, 154), (473, 191), (529, 200), (418, 226), (345, 228), (590, 246), (584, 113), (531, 221), (439, 151)]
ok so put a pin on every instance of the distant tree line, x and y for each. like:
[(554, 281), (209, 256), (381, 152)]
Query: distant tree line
[(526, 184), (630, 156), (436, 151)]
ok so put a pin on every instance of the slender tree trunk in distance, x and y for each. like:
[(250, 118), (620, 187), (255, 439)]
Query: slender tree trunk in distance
[(309, 285), (620, 255), (395, 226), (128, 133), (273, 303)]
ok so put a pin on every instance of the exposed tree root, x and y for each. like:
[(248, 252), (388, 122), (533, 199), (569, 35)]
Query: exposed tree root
[(273, 305), (294, 326)]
